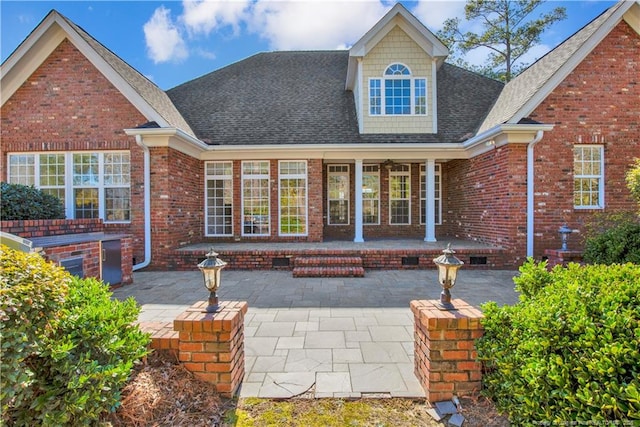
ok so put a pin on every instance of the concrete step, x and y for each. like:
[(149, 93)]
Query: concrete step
[(329, 271)]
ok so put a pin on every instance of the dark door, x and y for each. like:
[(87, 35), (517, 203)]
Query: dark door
[(111, 262)]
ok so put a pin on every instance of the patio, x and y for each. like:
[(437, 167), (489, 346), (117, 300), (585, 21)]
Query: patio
[(321, 337)]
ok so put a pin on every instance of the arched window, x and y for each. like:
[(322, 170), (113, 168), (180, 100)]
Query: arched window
[(402, 95)]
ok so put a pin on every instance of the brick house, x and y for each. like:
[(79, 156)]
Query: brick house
[(382, 140)]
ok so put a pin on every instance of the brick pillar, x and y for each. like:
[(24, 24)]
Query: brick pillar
[(560, 257), (445, 355), (211, 345)]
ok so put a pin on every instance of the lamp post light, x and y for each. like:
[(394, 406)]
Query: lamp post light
[(564, 232), (448, 266), (211, 270)]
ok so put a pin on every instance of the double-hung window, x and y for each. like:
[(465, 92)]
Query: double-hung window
[(588, 176), (292, 175), (437, 194), (338, 189), (255, 198), (219, 198), (90, 184), (400, 194), (371, 194), (397, 93)]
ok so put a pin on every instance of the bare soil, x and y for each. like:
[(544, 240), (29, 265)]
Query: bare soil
[(163, 393)]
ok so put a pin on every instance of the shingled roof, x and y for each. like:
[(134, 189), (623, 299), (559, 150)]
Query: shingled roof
[(521, 90), (299, 98)]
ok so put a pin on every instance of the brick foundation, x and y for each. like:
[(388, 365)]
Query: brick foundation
[(211, 345), (445, 355)]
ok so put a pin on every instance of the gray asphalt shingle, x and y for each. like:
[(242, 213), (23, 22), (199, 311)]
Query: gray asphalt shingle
[(299, 98)]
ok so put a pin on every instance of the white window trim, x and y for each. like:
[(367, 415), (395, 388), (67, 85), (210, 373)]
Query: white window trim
[(400, 173), (601, 202), (306, 183), (412, 79), (348, 199), (437, 196), (206, 198), (255, 176), (69, 187), (377, 198)]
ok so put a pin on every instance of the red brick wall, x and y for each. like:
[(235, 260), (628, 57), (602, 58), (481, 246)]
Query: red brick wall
[(598, 103), (177, 205), (51, 227), (91, 256), (486, 199), (68, 105)]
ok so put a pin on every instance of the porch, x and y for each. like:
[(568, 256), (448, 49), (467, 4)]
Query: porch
[(376, 254)]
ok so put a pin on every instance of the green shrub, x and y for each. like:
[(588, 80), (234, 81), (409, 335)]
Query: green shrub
[(22, 202), (569, 351), (613, 239), (79, 355), (32, 293), (633, 180)]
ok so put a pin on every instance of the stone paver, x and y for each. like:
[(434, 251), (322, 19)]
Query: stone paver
[(331, 337)]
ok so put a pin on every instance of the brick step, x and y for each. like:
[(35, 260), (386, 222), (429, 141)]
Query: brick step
[(326, 261), (328, 271)]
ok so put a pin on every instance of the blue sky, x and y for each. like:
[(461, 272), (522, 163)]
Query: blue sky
[(172, 42)]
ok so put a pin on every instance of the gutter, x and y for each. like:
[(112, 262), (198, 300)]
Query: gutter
[(147, 205), (530, 194)]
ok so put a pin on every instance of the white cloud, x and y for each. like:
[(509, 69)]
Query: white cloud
[(314, 24), (203, 16), (433, 13), (204, 53), (164, 41)]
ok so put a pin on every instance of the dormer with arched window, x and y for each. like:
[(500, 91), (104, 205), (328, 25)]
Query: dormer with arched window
[(392, 73), (397, 92)]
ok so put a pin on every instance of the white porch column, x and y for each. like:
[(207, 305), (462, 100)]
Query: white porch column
[(358, 201), (430, 201)]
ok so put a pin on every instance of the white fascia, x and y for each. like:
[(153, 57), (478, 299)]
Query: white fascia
[(501, 135), (170, 137)]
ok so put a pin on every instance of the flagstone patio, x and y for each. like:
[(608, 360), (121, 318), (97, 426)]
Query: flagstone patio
[(321, 337)]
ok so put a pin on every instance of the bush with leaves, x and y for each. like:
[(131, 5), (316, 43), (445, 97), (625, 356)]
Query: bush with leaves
[(613, 238), (633, 180), (22, 202), (75, 345), (569, 351)]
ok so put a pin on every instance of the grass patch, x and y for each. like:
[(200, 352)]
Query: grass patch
[(253, 412)]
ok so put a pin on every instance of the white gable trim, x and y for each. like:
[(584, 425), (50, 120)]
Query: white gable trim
[(629, 11), (410, 24), (401, 17), (39, 45)]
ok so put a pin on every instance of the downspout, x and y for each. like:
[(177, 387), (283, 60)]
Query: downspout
[(530, 191), (147, 205)]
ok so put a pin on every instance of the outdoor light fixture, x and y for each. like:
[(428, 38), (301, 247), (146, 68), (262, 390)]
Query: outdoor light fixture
[(448, 266), (211, 270), (564, 232)]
